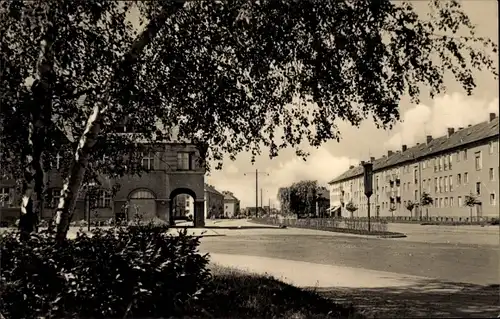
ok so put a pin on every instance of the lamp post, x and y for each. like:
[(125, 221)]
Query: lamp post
[(368, 182)]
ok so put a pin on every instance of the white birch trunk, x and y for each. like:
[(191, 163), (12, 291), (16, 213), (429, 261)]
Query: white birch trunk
[(69, 193), (34, 182)]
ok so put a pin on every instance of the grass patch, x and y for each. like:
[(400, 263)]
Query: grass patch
[(237, 294)]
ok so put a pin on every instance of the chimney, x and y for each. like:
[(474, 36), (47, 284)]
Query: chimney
[(351, 167), (404, 147), (451, 130), (389, 153), (429, 138), (492, 116), (372, 159)]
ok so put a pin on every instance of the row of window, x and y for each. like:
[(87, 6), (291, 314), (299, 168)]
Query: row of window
[(438, 202), (102, 198), (184, 161)]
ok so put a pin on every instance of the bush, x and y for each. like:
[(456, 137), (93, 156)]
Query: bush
[(134, 271)]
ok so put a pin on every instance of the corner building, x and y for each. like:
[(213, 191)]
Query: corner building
[(448, 168)]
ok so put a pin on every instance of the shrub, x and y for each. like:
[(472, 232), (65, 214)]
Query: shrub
[(126, 271)]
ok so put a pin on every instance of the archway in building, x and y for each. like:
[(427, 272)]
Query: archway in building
[(182, 205), (142, 202)]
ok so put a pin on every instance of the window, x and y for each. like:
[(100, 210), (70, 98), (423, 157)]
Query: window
[(436, 202), (5, 198), (478, 161), (450, 178), (460, 203), (459, 179), (436, 184), (58, 161), (451, 201), (465, 155), (445, 201), (445, 164), (445, 184), (458, 156), (478, 188), (148, 161), (55, 197), (493, 200), (466, 178), (440, 188), (416, 195), (492, 147), (440, 165), (450, 160), (435, 165), (184, 162), (441, 202), (104, 198), (492, 174), (415, 175)]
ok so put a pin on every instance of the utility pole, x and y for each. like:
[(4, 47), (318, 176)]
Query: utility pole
[(257, 190), (261, 200)]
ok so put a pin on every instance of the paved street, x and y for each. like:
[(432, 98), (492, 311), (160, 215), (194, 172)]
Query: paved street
[(436, 273)]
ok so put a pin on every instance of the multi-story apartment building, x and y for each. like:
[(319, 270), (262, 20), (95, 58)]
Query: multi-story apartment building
[(448, 168), (173, 170)]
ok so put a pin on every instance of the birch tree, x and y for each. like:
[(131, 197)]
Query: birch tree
[(243, 75)]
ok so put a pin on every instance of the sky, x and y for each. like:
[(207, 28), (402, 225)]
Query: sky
[(430, 117)]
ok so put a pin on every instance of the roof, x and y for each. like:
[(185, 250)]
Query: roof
[(229, 196), (211, 189), (468, 135)]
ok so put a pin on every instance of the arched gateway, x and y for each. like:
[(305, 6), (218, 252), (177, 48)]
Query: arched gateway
[(198, 215)]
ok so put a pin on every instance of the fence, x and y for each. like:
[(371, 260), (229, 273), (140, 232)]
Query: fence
[(351, 224)]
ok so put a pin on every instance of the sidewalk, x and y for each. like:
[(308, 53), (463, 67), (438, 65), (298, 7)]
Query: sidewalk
[(305, 274)]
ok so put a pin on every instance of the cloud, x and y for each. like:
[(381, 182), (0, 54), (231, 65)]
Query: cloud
[(453, 110), (321, 165)]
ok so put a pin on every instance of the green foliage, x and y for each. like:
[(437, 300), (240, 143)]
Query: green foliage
[(410, 205), (222, 72), (351, 207), (426, 200), (135, 271), (235, 294), (300, 198), (470, 200)]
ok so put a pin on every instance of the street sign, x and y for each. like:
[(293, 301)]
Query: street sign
[(368, 178)]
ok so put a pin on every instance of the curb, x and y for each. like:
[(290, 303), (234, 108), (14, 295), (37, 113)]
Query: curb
[(383, 236)]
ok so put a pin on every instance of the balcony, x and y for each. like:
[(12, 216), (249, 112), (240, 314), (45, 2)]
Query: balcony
[(391, 183), (398, 182), (392, 199), (398, 199)]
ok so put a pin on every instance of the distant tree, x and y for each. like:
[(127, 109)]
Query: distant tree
[(225, 73), (471, 201), (351, 208), (410, 206), (426, 201), (392, 209)]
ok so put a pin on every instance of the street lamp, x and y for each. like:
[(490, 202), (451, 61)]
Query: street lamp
[(368, 182)]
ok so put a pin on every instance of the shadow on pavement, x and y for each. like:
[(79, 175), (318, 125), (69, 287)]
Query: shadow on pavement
[(430, 299), (241, 227)]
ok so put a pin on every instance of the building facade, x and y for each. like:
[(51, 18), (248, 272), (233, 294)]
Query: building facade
[(174, 170), (214, 202), (231, 205), (450, 168)]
